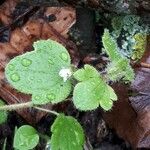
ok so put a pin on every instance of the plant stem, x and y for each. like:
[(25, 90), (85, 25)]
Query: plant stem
[(44, 136), (16, 106), (25, 105), (46, 110)]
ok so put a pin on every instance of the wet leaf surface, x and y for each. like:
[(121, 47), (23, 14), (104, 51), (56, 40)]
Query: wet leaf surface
[(30, 74)]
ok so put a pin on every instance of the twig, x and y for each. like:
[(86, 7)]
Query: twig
[(16, 106)]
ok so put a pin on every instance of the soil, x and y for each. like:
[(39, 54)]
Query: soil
[(86, 35)]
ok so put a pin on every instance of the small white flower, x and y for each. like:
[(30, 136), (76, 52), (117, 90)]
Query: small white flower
[(65, 73)]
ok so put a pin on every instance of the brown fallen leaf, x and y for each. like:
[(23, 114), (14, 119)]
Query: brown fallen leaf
[(65, 18), (141, 101), (122, 117), (21, 40), (130, 116), (6, 10)]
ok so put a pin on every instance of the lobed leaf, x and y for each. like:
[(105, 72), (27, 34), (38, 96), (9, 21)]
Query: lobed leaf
[(119, 68), (37, 72), (92, 92), (67, 134)]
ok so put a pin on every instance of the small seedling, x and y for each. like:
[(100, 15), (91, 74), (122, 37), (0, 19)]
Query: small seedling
[(46, 73), (92, 90), (119, 67)]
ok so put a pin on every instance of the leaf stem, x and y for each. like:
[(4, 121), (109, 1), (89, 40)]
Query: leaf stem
[(46, 110), (25, 105), (16, 106), (44, 136)]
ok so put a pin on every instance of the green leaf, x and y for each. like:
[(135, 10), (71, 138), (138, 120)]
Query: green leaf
[(67, 134), (3, 114), (111, 92), (110, 46), (92, 92), (87, 73), (26, 138), (119, 68), (37, 72)]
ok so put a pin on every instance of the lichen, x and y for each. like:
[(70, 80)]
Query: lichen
[(130, 35)]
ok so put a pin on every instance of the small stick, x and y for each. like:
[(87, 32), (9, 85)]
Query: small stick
[(145, 65), (46, 110)]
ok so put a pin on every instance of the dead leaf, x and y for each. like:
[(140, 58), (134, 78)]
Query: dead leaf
[(6, 10)]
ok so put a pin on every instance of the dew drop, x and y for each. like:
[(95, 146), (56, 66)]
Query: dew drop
[(39, 80), (37, 97), (15, 77), (93, 83), (31, 78), (50, 96), (11, 67), (50, 61), (26, 62), (64, 56)]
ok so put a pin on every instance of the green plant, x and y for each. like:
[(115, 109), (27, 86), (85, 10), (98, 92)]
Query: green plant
[(46, 73), (119, 68), (26, 137), (92, 90), (3, 114), (37, 72)]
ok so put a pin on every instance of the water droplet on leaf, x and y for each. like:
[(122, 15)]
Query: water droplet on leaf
[(64, 56), (11, 67), (39, 80), (50, 61), (37, 97), (50, 96), (31, 78), (26, 62), (15, 77)]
